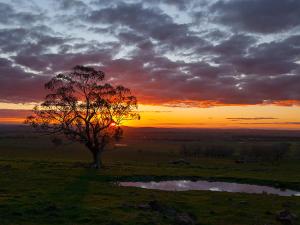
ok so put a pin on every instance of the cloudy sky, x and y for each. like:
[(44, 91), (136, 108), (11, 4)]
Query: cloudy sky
[(190, 62)]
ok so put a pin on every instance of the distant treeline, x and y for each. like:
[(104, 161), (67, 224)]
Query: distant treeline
[(180, 135), (254, 152), (212, 135)]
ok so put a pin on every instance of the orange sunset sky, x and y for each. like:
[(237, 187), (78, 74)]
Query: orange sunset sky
[(260, 116), (198, 64)]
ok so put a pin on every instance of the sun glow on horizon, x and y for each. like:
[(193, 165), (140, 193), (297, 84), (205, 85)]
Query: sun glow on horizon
[(252, 116), (113, 124)]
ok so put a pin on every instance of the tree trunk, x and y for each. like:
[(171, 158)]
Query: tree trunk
[(97, 162)]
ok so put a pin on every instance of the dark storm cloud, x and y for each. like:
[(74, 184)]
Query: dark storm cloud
[(267, 59), (60, 62), (180, 55), (180, 4), (10, 16), (278, 88), (262, 16), (236, 45), (74, 4), (150, 22), (33, 40), (16, 85)]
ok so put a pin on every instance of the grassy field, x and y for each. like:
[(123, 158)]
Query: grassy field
[(46, 184)]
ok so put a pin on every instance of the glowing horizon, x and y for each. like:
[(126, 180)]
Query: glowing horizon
[(231, 117)]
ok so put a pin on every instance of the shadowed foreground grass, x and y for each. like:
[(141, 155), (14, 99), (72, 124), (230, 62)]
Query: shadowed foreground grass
[(44, 184), (50, 192)]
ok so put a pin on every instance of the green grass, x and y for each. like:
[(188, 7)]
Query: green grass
[(41, 184)]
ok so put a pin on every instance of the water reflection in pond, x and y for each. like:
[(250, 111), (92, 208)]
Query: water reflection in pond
[(185, 185)]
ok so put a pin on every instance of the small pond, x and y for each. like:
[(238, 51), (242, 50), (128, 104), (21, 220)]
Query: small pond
[(186, 185)]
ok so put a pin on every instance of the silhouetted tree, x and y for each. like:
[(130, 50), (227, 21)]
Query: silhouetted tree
[(85, 109)]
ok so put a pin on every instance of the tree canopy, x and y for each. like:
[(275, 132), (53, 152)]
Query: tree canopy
[(84, 108)]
